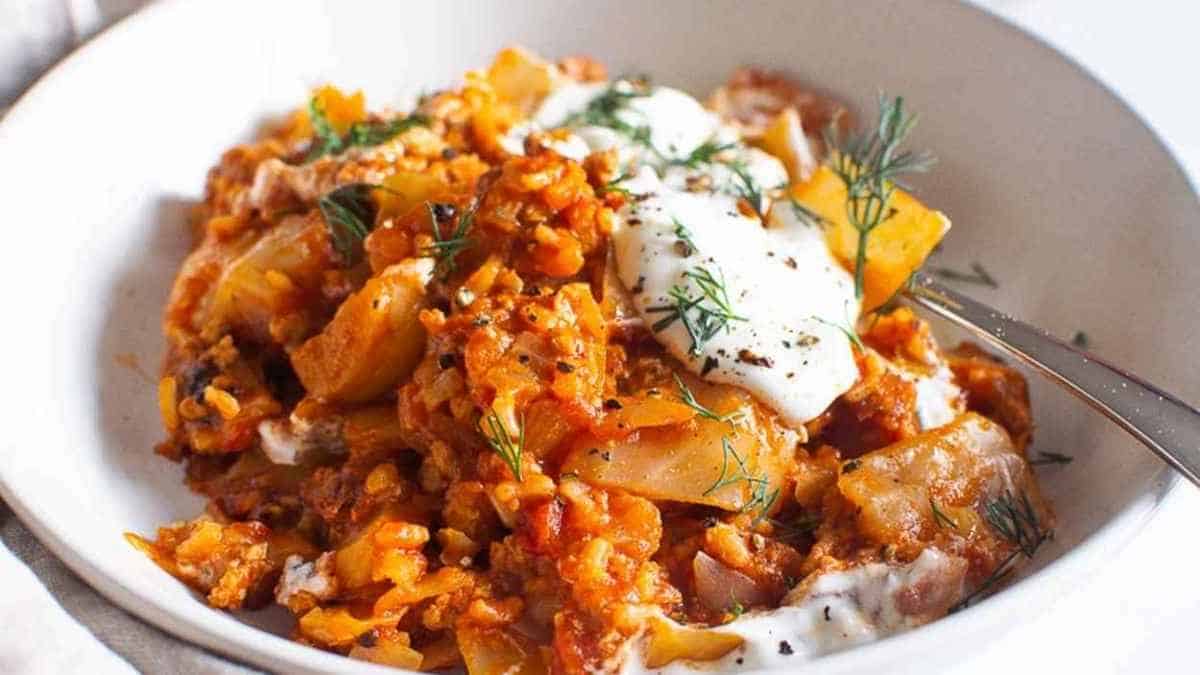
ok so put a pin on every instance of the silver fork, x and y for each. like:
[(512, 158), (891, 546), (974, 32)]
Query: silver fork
[(1163, 423)]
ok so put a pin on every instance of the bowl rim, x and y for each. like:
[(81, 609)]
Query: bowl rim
[(224, 634)]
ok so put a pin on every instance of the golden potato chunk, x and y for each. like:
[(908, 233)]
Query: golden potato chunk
[(372, 342)]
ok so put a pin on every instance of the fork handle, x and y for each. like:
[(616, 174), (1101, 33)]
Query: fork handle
[(1163, 423)]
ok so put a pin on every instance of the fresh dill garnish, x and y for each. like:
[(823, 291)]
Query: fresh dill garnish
[(870, 165), (683, 239), (703, 154), (847, 329), (790, 532), (737, 609), (614, 185), (1018, 523), (445, 247), (1080, 339), (501, 442), (977, 275), (602, 111), (941, 518), (703, 316), (688, 399), (760, 499), (805, 215), (349, 214), (376, 133), (745, 187), (327, 141), (1045, 457)]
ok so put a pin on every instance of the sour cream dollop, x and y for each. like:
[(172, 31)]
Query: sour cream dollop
[(783, 302)]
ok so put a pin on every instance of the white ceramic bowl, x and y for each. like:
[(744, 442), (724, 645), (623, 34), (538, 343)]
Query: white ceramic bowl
[(1066, 197)]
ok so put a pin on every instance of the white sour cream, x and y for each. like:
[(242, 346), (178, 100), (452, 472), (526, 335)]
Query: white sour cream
[(790, 350), (839, 610)]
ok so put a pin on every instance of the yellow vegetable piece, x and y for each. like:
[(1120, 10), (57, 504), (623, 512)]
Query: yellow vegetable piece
[(895, 248), (373, 341), (522, 78), (784, 138), (499, 652), (669, 641), (341, 110), (406, 190)]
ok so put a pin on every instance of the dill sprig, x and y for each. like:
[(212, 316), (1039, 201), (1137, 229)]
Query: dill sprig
[(745, 187), (376, 133), (760, 499), (1017, 522), (602, 111), (941, 518), (798, 528), (327, 141), (687, 398), (703, 316), (1045, 457), (870, 165), (501, 442), (847, 329), (614, 185), (683, 239), (705, 153), (349, 214), (977, 275), (805, 215), (446, 247)]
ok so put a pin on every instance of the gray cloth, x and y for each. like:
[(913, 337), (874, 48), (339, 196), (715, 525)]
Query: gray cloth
[(144, 647)]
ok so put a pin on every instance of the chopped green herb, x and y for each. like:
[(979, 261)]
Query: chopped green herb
[(326, 140), (1018, 523), (349, 214), (685, 395), (703, 316), (940, 518), (977, 275), (704, 154), (602, 112), (745, 187), (683, 238), (760, 499), (1051, 458), (501, 442), (870, 165), (445, 248), (847, 329), (614, 185), (805, 215)]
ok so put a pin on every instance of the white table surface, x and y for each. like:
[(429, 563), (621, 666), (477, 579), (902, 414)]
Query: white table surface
[(1140, 613)]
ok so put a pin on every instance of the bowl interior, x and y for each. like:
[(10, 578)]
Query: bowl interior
[(1052, 184)]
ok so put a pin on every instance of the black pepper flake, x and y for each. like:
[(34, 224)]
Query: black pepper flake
[(807, 340), (564, 367), (532, 318), (791, 375), (612, 404), (634, 222), (449, 153), (749, 357), (709, 364), (785, 648), (770, 254), (375, 303), (787, 345), (850, 466), (369, 638), (606, 456), (446, 361), (481, 321), (827, 618), (709, 521), (443, 211), (532, 289), (640, 285), (594, 451), (791, 262), (740, 660), (523, 358)]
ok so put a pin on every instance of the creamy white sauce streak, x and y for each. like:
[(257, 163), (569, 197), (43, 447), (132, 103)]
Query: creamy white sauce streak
[(839, 610), (790, 350)]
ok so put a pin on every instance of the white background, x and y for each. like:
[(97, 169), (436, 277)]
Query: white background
[(1141, 613)]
